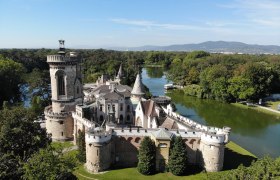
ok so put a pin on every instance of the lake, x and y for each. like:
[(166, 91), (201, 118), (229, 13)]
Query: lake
[(257, 132)]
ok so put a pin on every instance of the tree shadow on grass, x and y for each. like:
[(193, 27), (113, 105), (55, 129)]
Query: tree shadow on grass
[(233, 159)]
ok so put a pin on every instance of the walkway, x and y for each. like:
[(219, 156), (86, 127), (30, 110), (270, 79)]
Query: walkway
[(269, 109)]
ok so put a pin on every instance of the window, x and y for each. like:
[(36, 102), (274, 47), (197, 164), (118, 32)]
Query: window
[(108, 107), (162, 145), (78, 90), (100, 107), (113, 107), (61, 133), (128, 108), (97, 152), (128, 118), (61, 85), (60, 122), (121, 107)]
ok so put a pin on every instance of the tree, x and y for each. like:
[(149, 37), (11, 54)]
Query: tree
[(263, 168), (147, 157), (240, 88), (10, 78), (10, 167), (49, 163), (81, 146), (178, 157), (19, 134)]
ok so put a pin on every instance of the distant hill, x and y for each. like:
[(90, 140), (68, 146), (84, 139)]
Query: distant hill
[(211, 46)]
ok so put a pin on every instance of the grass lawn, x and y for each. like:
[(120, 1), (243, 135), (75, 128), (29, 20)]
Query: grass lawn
[(256, 109), (234, 156), (238, 149), (64, 145)]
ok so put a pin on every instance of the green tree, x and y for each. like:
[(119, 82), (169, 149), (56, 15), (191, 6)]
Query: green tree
[(240, 88), (81, 146), (147, 157), (177, 162), (10, 80), (10, 167), (49, 163), (19, 134)]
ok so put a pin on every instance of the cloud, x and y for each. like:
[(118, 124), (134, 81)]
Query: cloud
[(151, 24), (257, 12)]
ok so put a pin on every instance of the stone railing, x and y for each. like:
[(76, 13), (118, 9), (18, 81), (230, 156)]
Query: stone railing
[(48, 112), (61, 58), (87, 123)]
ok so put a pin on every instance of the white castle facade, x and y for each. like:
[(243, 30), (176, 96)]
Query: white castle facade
[(116, 117)]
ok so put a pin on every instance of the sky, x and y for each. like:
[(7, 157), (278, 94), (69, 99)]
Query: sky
[(133, 23)]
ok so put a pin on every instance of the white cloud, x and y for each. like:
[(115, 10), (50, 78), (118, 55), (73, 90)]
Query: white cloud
[(150, 24), (257, 12)]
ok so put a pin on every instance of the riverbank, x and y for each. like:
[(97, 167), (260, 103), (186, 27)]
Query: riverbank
[(234, 156), (258, 109)]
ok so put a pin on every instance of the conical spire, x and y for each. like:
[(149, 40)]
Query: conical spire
[(119, 75), (138, 86)]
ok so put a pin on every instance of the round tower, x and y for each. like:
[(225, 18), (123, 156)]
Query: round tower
[(98, 150), (66, 88), (138, 90), (212, 151)]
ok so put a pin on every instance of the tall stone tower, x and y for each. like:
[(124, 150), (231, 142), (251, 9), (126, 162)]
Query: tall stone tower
[(66, 87)]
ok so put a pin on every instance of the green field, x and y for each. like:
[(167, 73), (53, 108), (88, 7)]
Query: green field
[(234, 156)]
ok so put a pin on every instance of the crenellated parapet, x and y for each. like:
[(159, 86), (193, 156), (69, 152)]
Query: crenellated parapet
[(58, 58), (97, 136), (55, 115)]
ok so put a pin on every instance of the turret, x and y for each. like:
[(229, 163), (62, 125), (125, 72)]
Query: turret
[(212, 147), (66, 88), (138, 90), (98, 150)]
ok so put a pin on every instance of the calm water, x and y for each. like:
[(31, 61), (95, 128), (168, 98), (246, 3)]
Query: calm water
[(257, 132)]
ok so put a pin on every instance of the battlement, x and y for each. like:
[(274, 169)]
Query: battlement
[(98, 136), (194, 125), (48, 112), (58, 58), (213, 138)]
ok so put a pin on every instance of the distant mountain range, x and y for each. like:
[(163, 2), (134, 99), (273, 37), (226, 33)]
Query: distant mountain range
[(210, 46)]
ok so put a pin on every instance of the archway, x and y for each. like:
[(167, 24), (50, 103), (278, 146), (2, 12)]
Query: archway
[(138, 122), (121, 119)]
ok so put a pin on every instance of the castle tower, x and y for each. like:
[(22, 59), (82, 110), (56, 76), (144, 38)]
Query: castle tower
[(66, 87), (212, 148), (138, 90), (98, 150)]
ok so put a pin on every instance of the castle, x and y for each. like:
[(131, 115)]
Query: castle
[(116, 117)]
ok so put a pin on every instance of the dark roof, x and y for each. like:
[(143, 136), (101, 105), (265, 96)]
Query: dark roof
[(169, 124), (148, 108)]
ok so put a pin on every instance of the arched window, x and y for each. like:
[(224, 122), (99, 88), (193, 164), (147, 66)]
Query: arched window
[(61, 85), (60, 77), (128, 118), (121, 119), (128, 108), (78, 90), (101, 118)]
